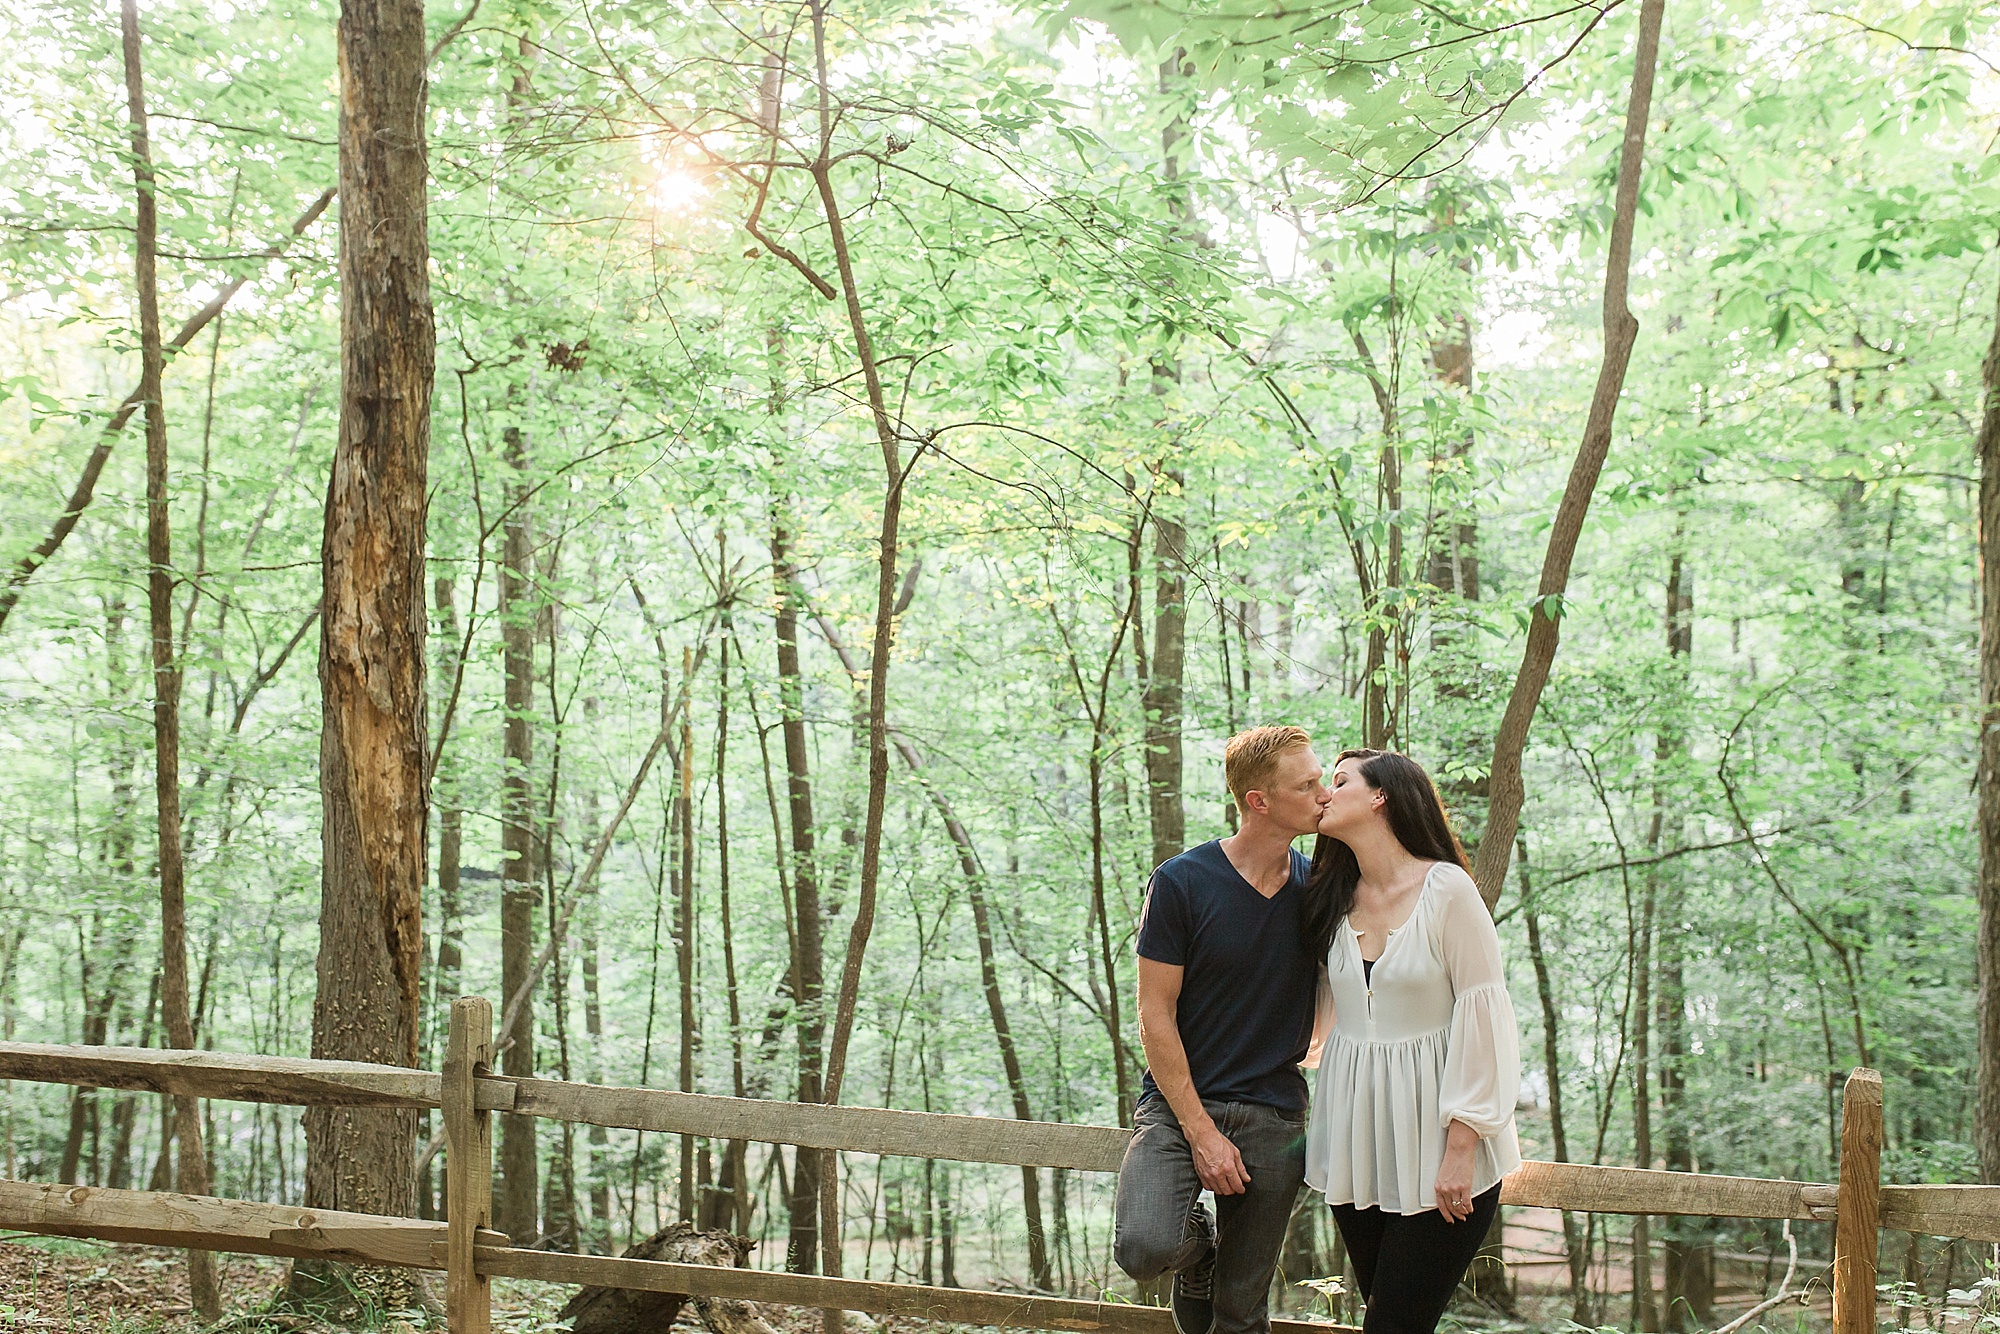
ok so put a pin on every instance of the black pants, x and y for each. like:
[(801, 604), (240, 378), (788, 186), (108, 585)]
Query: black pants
[(1408, 1265)]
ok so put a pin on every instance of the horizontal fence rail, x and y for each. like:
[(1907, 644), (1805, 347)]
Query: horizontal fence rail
[(199, 1222), (1968, 1212), (159, 1218), (467, 1093)]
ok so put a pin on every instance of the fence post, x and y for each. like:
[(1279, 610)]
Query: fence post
[(1858, 1205), (468, 1138)]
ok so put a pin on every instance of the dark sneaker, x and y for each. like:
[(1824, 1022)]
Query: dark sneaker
[(1194, 1287)]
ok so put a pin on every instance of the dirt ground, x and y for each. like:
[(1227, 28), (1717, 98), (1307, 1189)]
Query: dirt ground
[(56, 1284)]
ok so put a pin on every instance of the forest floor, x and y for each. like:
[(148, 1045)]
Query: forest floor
[(89, 1287), (73, 1287)]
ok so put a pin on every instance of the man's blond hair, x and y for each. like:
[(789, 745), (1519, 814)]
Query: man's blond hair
[(1251, 759)]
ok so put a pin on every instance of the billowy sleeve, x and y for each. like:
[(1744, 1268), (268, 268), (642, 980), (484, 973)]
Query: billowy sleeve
[(1482, 1069)]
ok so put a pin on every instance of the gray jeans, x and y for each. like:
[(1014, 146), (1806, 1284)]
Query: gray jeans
[(1157, 1186)]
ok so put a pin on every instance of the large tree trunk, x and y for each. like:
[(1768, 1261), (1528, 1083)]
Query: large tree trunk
[(516, 1206), (1621, 332), (193, 1178), (373, 743), (1986, 1131)]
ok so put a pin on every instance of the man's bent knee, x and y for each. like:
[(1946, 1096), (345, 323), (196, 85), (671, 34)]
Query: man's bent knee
[(1145, 1253), (1141, 1262)]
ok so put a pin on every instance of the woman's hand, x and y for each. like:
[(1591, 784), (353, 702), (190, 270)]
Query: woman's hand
[(1454, 1179)]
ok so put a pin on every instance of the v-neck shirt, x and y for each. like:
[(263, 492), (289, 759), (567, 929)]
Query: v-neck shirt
[(1248, 984)]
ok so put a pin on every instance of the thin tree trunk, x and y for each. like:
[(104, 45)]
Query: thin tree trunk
[(989, 974), (1621, 332), (110, 965), (559, 1223), (451, 927), (516, 1206), (802, 1250), (374, 742), (193, 1179), (1100, 912), (120, 843), (1100, 903), (798, 880), (1579, 1277), (1687, 1252), (1095, 699), (593, 1024), (125, 1116), (684, 942), (445, 974), (1645, 1315), (1986, 1131), (1162, 697), (80, 1098), (733, 1208), (93, 468), (895, 474), (1454, 560), (1381, 594)]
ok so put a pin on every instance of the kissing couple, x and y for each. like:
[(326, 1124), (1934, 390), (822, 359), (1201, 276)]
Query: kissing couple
[(1374, 963)]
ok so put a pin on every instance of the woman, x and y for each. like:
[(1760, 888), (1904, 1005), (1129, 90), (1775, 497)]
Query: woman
[(1413, 1119)]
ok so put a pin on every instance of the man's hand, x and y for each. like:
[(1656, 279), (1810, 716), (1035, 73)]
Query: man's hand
[(1217, 1162)]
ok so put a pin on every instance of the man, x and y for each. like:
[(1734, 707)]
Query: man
[(1227, 992)]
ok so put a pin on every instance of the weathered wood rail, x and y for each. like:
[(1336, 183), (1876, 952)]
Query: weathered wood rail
[(467, 1092)]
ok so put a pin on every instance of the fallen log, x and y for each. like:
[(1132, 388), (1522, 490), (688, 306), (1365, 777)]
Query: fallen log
[(601, 1310)]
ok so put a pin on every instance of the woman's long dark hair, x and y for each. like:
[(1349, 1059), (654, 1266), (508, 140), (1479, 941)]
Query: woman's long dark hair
[(1416, 817)]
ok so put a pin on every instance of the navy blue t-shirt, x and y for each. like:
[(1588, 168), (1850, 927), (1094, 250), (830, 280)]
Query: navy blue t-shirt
[(1249, 982)]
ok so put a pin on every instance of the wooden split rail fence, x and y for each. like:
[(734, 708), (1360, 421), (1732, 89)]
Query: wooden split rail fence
[(470, 1253)]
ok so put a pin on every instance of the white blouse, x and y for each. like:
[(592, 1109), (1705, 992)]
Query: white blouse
[(1429, 1041)]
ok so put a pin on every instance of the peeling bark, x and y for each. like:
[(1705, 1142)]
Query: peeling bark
[(374, 743)]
